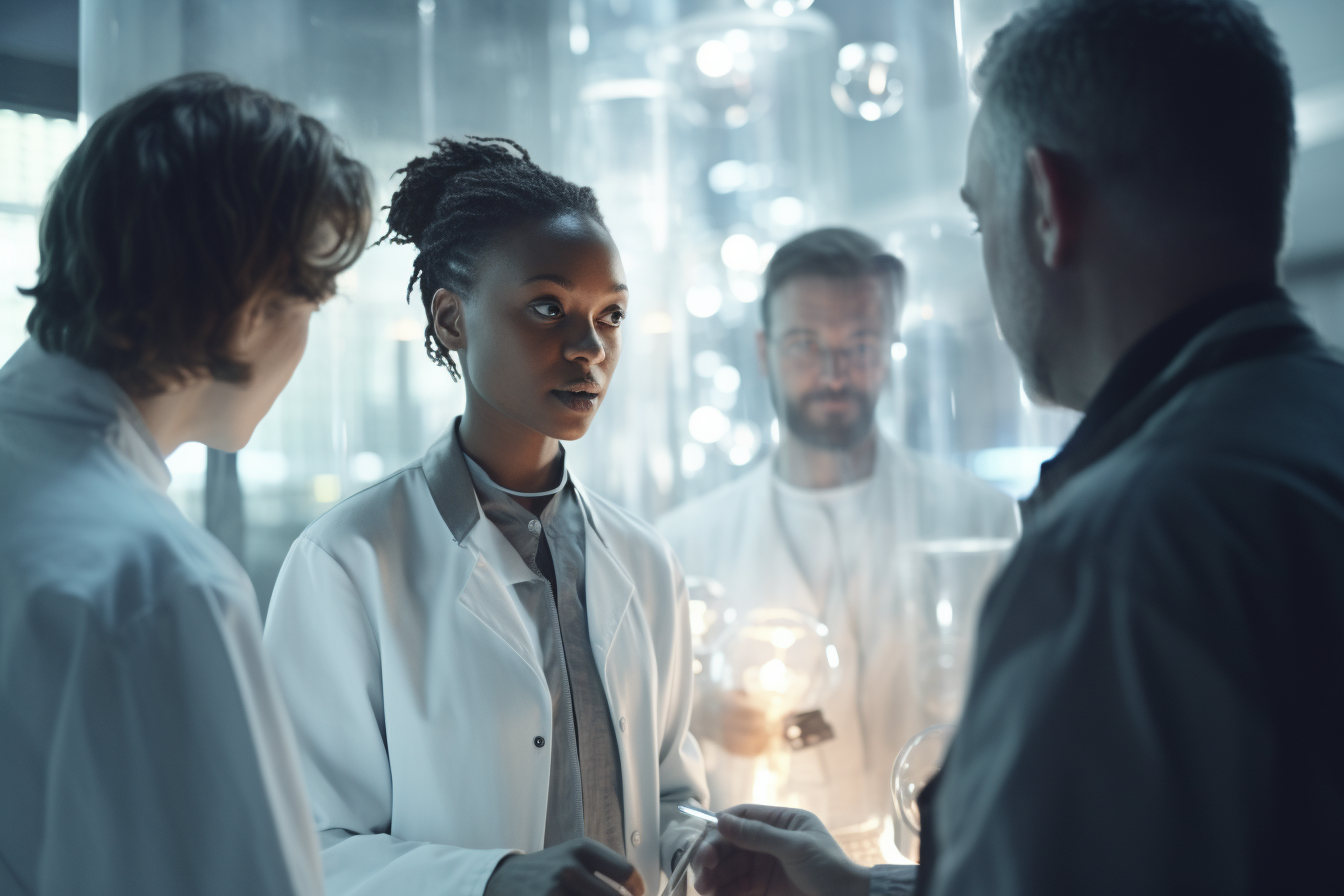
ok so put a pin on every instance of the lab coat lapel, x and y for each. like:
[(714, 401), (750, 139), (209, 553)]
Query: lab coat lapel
[(608, 588), (490, 564)]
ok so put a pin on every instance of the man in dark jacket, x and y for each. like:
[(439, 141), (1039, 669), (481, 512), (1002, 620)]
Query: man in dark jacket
[(1157, 704)]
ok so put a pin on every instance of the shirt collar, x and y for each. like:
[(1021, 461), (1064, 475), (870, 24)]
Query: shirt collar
[(49, 384), (1153, 353)]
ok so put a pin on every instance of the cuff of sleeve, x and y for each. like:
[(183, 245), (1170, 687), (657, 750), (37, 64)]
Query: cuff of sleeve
[(893, 880)]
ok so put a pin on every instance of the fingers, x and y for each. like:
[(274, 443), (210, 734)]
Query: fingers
[(596, 857), (757, 836), (777, 816)]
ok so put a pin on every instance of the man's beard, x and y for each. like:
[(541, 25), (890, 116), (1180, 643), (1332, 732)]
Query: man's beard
[(834, 433)]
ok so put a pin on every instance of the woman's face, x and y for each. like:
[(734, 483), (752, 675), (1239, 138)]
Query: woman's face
[(539, 336)]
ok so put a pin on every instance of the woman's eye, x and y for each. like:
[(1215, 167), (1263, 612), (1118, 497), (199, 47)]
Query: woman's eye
[(615, 316), (549, 310)]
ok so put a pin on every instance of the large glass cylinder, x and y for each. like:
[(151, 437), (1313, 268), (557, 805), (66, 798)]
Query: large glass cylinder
[(756, 156)]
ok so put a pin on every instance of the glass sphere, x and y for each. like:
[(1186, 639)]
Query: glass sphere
[(917, 763), (783, 659), (866, 84)]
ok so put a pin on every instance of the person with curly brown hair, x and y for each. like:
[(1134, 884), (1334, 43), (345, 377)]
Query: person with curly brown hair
[(144, 748)]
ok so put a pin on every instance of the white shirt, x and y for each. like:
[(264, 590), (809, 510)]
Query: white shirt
[(144, 748)]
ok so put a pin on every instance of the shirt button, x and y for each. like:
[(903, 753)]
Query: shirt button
[(635, 838), (622, 723), (533, 526), (539, 741)]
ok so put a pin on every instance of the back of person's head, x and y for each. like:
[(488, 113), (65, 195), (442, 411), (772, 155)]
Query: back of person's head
[(1180, 110), (180, 205), (456, 202), (835, 253)]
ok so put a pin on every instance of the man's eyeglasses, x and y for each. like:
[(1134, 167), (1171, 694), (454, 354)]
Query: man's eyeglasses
[(806, 352)]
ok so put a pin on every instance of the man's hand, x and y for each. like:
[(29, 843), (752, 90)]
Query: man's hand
[(568, 869), (771, 851), (736, 721)]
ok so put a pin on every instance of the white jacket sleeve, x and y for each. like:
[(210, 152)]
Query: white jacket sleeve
[(326, 656)]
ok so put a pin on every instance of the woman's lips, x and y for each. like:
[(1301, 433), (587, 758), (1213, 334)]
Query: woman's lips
[(576, 401)]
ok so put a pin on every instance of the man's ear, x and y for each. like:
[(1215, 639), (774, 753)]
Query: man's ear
[(446, 306), (1057, 213)]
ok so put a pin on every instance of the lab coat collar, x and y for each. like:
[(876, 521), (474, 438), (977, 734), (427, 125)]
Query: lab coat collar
[(445, 468), (608, 586), (47, 384)]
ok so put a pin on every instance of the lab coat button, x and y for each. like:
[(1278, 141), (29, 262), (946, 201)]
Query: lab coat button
[(635, 838), (622, 723), (534, 526), (539, 741)]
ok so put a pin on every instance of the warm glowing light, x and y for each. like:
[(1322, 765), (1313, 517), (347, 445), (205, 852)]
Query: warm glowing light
[(783, 638), (775, 676)]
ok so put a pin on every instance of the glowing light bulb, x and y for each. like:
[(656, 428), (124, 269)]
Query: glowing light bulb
[(783, 638), (775, 676)]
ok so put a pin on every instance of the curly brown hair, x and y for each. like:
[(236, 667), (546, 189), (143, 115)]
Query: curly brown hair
[(180, 205), (453, 203)]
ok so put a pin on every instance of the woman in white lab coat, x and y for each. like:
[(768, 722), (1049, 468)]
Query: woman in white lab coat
[(144, 748), (488, 665)]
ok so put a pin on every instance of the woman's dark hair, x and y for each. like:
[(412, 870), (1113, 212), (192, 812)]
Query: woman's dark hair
[(180, 205), (453, 203), (836, 253)]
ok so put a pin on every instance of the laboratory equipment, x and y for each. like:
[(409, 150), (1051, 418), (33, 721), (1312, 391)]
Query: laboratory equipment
[(786, 664), (919, 760)]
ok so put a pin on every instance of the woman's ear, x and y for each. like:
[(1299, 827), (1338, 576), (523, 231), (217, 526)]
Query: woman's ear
[(448, 325)]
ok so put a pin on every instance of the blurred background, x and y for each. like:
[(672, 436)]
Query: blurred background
[(712, 131)]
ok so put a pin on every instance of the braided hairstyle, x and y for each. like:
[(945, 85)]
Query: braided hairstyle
[(455, 202)]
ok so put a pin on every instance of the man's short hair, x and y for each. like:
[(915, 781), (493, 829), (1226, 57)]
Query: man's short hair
[(1184, 105), (180, 205), (836, 253)]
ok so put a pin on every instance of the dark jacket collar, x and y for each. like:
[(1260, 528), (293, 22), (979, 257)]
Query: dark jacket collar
[(1195, 341)]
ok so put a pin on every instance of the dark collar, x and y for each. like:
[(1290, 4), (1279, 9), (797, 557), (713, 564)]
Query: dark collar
[(1102, 426)]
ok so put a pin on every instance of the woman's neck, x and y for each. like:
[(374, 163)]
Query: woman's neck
[(515, 456)]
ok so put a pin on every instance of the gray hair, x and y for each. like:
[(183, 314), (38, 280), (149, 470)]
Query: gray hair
[(1182, 107)]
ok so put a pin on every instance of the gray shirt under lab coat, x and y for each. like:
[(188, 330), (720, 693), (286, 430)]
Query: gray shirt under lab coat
[(585, 786)]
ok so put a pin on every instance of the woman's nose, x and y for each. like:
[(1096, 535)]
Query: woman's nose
[(585, 345)]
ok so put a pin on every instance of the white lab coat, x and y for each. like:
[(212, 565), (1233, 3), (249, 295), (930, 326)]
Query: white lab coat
[(144, 748), (414, 675), (735, 536)]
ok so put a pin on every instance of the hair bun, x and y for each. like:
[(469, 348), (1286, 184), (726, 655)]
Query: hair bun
[(426, 179)]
